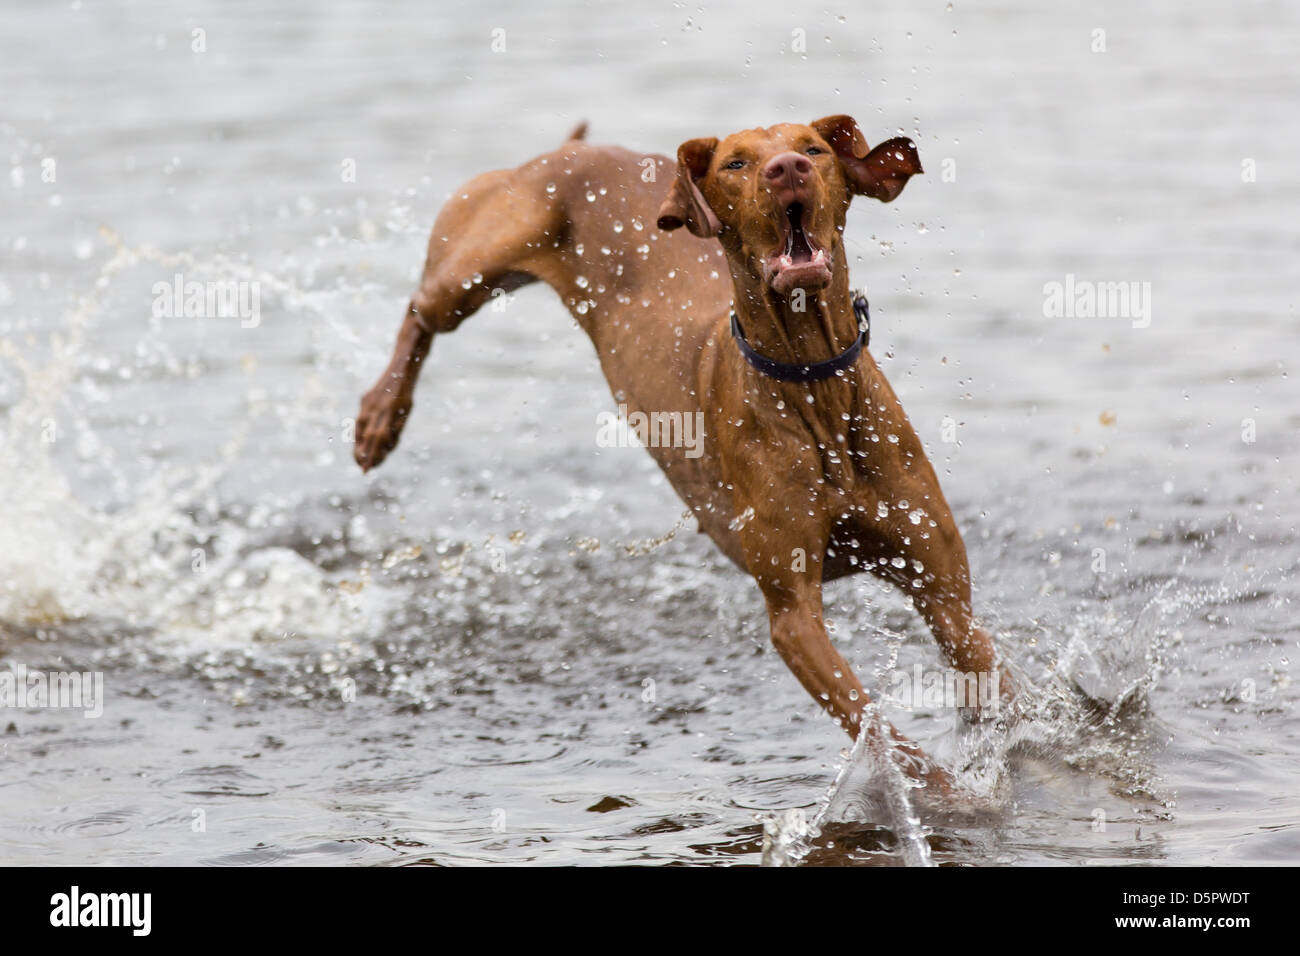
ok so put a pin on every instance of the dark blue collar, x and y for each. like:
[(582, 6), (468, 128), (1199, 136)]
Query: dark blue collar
[(817, 371)]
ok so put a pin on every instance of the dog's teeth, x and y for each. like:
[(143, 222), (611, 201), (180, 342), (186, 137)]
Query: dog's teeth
[(787, 261)]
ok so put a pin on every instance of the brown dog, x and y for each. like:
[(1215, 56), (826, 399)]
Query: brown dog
[(806, 476)]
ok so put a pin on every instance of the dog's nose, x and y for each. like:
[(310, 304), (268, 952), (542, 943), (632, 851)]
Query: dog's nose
[(787, 169)]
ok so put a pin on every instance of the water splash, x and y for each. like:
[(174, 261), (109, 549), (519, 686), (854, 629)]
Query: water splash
[(1085, 708), (869, 784), (155, 548)]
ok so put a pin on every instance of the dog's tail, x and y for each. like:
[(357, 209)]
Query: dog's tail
[(579, 132)]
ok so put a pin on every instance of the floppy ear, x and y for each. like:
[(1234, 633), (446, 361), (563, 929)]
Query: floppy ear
[(685, 205), (880, 173)]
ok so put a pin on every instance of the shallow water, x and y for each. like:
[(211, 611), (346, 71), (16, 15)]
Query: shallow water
[(530, 685)]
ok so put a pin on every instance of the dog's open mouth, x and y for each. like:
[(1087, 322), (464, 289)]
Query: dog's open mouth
[(803, 264)]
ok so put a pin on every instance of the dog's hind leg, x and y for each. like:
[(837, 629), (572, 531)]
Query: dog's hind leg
[(498, 232)]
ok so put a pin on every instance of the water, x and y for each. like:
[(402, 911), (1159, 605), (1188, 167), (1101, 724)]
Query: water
[(535, 680)]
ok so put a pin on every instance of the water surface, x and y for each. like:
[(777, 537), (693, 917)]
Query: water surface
[(197, 531)]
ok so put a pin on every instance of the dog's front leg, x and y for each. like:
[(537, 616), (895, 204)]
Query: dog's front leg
[(944, 602), (794, 612), (799, 636), (937, 578), (784, 548)]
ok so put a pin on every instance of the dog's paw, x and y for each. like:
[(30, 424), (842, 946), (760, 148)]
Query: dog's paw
[(379, 426)]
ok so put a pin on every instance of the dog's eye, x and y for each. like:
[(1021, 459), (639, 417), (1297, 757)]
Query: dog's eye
[(735, 164), (814, 150)]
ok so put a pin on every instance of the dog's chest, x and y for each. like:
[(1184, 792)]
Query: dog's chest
[(839, 427)]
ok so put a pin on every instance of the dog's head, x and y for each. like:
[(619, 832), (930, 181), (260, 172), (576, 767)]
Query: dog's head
[(778, 197)]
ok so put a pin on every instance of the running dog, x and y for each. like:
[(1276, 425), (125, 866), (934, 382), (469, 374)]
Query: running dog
[(720, 284)]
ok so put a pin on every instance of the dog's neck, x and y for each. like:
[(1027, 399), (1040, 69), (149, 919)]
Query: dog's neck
[(778, 329)]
